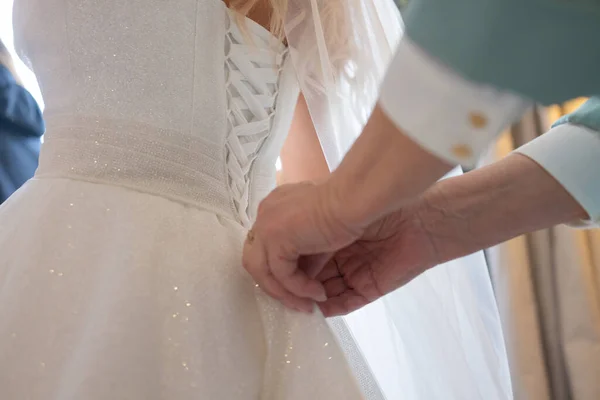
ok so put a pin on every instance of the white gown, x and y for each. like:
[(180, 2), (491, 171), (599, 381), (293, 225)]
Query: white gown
[(120, 273)]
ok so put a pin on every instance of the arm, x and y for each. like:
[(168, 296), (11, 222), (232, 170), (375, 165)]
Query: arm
[(301, 156), (493, 204), (428, 120), (383, 170), (451, 98)]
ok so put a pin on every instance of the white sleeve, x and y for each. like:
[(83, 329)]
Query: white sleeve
[(451, 117), (571, 154)]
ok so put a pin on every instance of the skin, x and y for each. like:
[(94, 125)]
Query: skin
[(330, 215), (456, 217), (367, 230)]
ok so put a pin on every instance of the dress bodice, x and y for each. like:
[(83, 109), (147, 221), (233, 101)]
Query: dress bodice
[(168, 97)]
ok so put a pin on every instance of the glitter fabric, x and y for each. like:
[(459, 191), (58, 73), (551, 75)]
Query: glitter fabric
[(120, 270)]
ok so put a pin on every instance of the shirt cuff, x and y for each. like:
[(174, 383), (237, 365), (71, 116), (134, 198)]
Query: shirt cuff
[(449, 116), (571, 154)]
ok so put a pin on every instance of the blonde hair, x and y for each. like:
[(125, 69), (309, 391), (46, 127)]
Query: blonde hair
[(335, 21)]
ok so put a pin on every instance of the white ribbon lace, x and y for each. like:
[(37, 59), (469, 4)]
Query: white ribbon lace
[(252, 75)]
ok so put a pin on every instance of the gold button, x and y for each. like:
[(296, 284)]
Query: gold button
[(462, 151), (478, 120)]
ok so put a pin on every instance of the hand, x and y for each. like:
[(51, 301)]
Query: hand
[(300, 226), (294, 236), (390, 253), (456, 217)]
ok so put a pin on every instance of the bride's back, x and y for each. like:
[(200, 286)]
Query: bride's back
[(179, 83), (137, 59)]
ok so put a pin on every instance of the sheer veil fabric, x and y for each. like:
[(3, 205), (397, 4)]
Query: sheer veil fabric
[(440, 336), (340, 65)]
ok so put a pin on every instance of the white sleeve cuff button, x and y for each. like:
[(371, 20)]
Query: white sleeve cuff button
[(447, 115)]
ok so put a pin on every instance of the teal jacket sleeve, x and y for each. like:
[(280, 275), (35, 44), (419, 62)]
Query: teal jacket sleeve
[(523, 46)]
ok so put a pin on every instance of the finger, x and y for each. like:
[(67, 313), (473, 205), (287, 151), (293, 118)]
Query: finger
[(275, 290), (254, 258), (255, 263), (313, 264), (343, 304), (296, 281), (330, 270), (335, 287)]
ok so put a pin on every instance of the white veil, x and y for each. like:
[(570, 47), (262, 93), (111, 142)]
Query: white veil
[(440, 336), (340, 50)]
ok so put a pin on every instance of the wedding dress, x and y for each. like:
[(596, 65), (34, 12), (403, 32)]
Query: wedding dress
[(120, 273)]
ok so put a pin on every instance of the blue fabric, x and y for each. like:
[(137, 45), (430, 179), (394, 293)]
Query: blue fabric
[(21, 127), (541, 49)]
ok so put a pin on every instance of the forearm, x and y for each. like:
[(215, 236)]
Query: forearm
[(493, 204), (428, 120), (383, 170)]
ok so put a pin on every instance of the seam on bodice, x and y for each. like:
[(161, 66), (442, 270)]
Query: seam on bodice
[(252, 77)]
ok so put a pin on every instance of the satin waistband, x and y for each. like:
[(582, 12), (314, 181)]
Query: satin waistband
[(147, 159)]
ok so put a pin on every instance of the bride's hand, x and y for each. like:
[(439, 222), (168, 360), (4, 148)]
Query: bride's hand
[(296, 226)]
